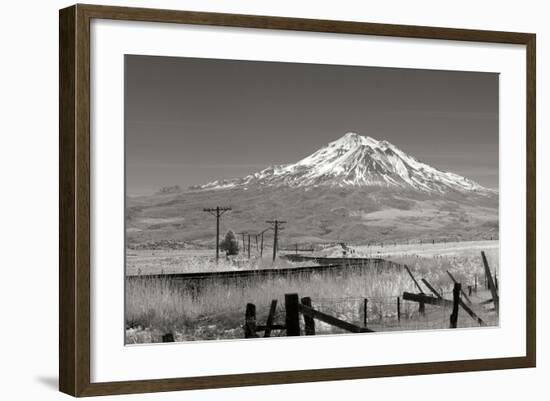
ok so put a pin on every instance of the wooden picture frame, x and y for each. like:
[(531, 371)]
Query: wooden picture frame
[(74, 200)]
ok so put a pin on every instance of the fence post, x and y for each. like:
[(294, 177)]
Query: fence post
[(270, 318), (398, 309), (365, 311), (463, 293), (490, 282), (456, 301), (292, 315), (250, 321), (309, 322)]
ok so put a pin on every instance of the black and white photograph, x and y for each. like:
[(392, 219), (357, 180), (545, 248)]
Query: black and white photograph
[(269, 201), (274, 199)]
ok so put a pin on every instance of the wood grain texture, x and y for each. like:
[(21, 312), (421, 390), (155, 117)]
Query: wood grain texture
[(301, 24), (67, 273), (531, 229), (74, 199), (301, 376), (74, 208)]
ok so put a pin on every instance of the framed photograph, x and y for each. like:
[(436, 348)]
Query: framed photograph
[(249, 200)]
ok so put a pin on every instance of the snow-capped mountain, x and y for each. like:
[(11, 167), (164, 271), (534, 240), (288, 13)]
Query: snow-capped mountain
[(355, 161)]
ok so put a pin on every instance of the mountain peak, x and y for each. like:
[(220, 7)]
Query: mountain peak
[(355, 160), (351, 139), (352, 136)]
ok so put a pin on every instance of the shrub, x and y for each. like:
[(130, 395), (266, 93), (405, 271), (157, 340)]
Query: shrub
[(230, 244)]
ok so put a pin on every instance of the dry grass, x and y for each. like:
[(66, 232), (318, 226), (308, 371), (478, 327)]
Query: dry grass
[(144, 262), (216, 310), (465, 268)]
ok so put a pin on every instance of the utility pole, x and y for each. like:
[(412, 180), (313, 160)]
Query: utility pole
[(262, 245), (276, 227), (243, 234), (247, 245), (261, 235), (217, 212)]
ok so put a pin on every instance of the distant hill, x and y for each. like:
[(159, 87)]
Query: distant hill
[(173, 189), (356, 189)]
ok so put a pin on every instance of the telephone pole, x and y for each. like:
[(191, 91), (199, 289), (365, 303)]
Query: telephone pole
[(217, 211), (261, 234), (276, 227), (243, 234), (262, 244), (250, 235)]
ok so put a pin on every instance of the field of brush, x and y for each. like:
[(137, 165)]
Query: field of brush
[(158, 306), (145, 262)]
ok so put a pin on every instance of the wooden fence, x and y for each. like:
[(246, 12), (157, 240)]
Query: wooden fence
[(458, 293), (294, 307)]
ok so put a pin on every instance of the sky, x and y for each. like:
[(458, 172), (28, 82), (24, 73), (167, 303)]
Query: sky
[(190, 121)]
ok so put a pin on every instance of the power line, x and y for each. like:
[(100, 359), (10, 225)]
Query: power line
[(262, 242), (217, 212), (246, 234), (242, 234), (276, 227)]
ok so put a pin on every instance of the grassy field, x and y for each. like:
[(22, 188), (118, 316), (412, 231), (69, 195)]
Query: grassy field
[(425, 249), (156, 307), (145, 262), (318, 215)]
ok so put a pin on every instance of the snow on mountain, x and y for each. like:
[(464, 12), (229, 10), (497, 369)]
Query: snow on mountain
[(355, 161)]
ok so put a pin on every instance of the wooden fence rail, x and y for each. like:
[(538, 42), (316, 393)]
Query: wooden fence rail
[(427, 299), (438, 300), (333, 321), (294, 307)]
